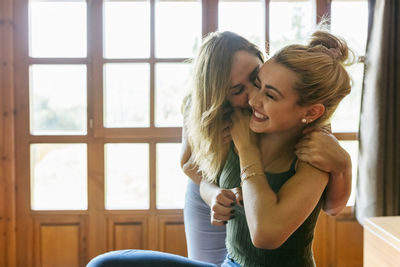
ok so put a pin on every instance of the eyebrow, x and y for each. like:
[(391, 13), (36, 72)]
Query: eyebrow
[(268, 86), (252, 74)]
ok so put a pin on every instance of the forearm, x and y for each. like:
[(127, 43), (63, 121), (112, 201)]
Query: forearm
[(208, 191), (258, 197), (338, 190), (273, 217)]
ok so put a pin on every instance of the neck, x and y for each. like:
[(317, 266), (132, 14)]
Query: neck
[(277, 149)]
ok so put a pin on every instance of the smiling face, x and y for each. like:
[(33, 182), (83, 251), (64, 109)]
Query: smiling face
[(274, 103), (244, 70)]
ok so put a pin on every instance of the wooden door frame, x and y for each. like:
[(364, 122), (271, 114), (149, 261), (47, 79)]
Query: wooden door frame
[(7, 137)]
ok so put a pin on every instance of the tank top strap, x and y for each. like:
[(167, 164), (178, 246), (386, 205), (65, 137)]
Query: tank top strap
[(293, 166)]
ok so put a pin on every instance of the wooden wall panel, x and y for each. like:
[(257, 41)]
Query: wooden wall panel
[(338, 241), (59, 245), (127, 233), (128, 236), (172, 236), (349, 244), (320, 241), (59, 241)]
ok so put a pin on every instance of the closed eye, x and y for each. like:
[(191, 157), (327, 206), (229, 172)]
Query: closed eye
[(238, 90), (256, 82), (270, 96)]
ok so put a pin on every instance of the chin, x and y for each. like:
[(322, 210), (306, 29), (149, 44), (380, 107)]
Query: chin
[(257, 129)]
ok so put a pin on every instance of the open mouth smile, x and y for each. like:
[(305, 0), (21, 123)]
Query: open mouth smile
[(257, 116)]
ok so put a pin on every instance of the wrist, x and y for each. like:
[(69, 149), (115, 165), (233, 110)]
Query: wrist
[(247, 148), (343, 166)]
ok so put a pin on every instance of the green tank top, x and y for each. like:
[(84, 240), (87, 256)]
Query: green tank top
[(296, 251)]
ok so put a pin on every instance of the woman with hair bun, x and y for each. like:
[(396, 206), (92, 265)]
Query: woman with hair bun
[(300, 85)]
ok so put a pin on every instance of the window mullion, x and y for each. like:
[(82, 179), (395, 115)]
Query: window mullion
[(323, 9)]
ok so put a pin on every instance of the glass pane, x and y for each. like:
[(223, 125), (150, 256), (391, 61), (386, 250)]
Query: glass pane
[(126, 29), (126, 176), (58, 103), (352, 148), (178, 28), (347, 115), (290, 22), (57, 28), (354, 30), (58, 177), (171, 181), (171, 85), (126, 95), (246, 18)]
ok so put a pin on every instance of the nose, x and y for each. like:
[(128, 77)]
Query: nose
[(251, 90), (254, 100)]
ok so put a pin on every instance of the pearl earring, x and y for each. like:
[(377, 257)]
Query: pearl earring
[(304, 120)]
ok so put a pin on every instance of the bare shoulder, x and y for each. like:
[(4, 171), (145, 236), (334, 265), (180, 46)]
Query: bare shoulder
[(304, 169)]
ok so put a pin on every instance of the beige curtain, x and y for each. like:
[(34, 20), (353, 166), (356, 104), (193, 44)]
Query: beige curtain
[(378, 184)]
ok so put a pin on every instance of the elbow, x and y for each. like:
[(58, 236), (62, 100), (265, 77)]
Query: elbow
[(189, 169), (272, 238), (334, 211), (183, 163)]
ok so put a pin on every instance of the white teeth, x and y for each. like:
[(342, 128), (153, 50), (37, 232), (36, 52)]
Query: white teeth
[(259, 115)]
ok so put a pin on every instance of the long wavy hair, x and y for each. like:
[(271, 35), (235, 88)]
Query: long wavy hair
[(206, 107)]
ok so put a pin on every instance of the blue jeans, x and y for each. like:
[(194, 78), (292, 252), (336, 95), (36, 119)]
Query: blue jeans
[(229, 262), (143, 258)]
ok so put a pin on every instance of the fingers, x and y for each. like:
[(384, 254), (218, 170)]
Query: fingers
[(303, 156), (222, 207), (238, 194), (220, 214), (327, 127), (226, 135), (308, 130)]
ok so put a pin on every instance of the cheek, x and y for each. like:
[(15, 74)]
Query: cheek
[(239, 101)]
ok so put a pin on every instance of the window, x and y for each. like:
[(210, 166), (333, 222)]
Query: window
[(126, 82), (141, 77), (346, 118)]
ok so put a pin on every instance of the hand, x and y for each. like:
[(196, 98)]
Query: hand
[(241, 134), (325, 128), (322, 150), (223, 203)]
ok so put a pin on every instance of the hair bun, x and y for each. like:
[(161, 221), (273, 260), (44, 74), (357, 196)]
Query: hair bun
[(330, 44), (335, 53)]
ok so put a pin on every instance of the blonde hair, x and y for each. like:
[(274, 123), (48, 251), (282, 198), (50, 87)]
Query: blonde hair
[(206, 108), (320, 67)]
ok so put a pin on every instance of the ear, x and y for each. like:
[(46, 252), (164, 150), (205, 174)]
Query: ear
[(314, 112)]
